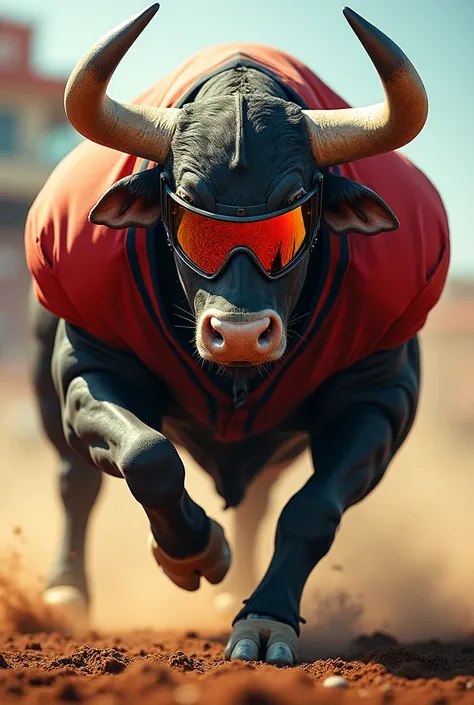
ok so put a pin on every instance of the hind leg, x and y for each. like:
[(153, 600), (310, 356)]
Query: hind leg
[(78, 483), (250, 513), (247, 520), (264, 460)]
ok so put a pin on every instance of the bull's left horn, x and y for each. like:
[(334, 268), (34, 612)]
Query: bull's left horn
[(137, 130), (339, 136)]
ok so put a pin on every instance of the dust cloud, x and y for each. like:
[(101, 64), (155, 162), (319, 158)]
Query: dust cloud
[(402, 561)]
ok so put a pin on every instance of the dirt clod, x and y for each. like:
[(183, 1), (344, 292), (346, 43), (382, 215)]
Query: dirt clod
[(34, 646), (409, 670), (181, 660), (69, 692)]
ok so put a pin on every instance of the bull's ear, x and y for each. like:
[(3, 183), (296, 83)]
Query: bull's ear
[(131, 202), (349, 207)]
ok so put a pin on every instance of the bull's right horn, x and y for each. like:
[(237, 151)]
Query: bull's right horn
[(339, 136), (141, 131)]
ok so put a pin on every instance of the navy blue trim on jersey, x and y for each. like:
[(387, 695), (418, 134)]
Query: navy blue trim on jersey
[(137, 272), (140, 284), (151, 241)]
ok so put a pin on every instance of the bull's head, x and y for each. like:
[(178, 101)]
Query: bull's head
[(233, 156)]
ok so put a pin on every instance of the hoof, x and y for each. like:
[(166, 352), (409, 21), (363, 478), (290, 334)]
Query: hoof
[(262, 639), (212, 563), (69, 609)]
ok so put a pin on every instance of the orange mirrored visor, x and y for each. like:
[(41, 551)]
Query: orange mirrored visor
[(207, 242)]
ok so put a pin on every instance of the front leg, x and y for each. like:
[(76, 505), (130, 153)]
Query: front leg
[(358, 422), (112, 408)]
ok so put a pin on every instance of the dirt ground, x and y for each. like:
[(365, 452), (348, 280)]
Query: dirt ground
[(142, 668), (402, 565)]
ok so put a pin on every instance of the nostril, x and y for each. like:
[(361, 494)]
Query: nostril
[(211, 336), (213, 324), (271, 337), (266, 335), (215, 334)]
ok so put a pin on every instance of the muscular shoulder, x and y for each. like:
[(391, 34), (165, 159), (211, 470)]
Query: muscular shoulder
[(411, 253), (396, 278), (75, 265)]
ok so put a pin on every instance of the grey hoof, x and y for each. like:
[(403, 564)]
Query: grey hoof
[(255, 636), (279, 654), (245, 650)]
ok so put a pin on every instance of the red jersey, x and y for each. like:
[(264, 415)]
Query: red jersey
[(373, 293)]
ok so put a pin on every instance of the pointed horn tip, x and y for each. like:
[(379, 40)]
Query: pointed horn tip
[(348, 11), (149, 11), (145, 15), (353, 17)]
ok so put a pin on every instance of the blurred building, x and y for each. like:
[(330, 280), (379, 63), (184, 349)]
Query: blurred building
[(34, 136)]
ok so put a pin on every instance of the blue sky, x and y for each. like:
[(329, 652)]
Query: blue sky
[(437, 35)]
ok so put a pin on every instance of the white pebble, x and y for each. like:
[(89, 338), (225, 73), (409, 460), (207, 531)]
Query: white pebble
[(335, 682), (186, 695)]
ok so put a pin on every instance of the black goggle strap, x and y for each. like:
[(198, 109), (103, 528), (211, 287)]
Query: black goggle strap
[(164, 207), (318, 180)]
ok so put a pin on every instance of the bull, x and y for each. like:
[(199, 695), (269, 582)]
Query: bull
[(241, 194)]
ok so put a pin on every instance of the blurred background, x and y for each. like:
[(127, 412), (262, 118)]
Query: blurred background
[(404, 558)]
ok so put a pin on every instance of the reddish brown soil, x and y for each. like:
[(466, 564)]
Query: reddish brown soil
[(142, 668)]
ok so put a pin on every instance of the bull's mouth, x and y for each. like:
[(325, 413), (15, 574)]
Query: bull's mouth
[(241, 369), (241, 372)]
